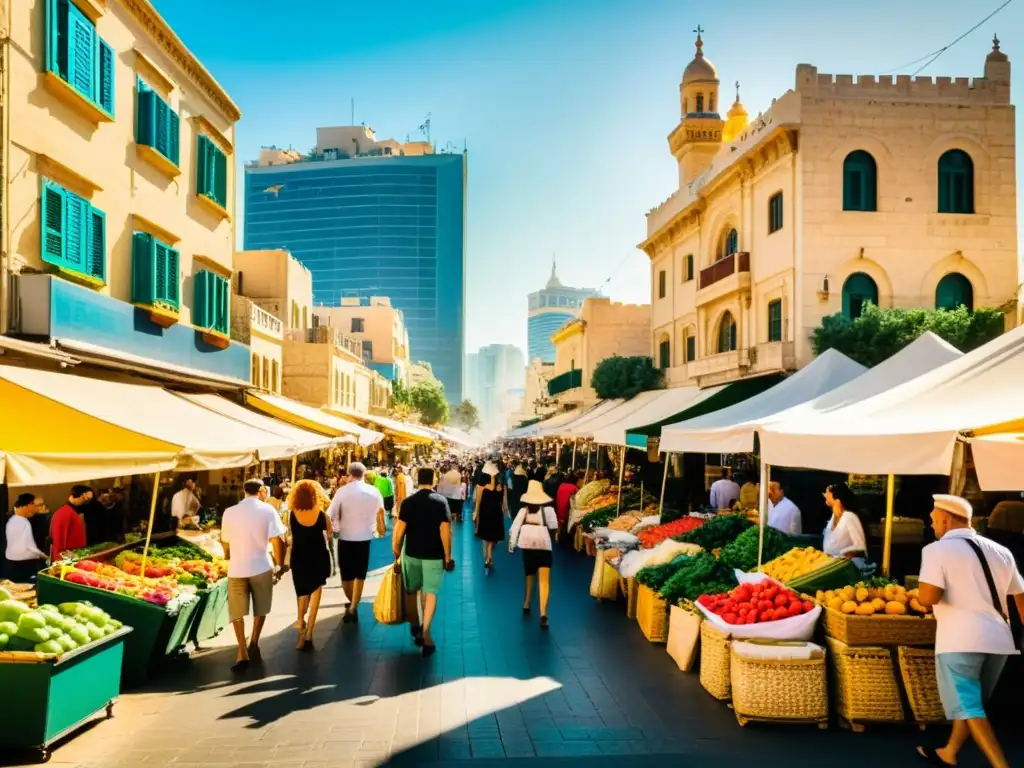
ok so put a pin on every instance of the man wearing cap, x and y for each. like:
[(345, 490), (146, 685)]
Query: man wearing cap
[(356, 512), (967, 579)]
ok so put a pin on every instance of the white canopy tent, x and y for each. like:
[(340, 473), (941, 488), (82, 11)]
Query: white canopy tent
[(731, 429), (662, 405), (532, 430), (585, 428), (999, 461), (582, 418)]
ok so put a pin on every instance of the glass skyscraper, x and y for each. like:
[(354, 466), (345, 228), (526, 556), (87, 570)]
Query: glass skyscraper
[(550, 308), (373, 222)]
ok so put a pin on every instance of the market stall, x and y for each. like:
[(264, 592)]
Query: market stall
[(309, 418)]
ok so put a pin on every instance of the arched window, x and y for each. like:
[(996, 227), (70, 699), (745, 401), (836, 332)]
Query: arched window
[(860, 182), (954, 290), (726, 333), (956, 182), (858, 290), (730, 243), (665, 353), (689, 345)]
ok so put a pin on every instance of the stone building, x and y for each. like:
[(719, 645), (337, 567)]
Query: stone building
[(898, 191)]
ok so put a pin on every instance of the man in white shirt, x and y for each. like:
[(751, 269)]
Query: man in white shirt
[(783, 514), (185, 503), (356, 510), (23, 558), (450, 486), (724, 492), (246, 530), (967, 579)]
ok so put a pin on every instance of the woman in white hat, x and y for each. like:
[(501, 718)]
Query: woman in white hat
[(532, 532), (489, 515)]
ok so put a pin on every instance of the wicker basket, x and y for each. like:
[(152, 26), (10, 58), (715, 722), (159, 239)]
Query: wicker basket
[(577, 539), (630, 589), (851, 629), (714, 662), (917, 666), (652, 615), (865, 686), (779, 690)]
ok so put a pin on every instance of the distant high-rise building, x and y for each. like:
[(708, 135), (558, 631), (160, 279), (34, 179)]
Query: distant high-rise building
[(368, 218), (497, 368), (551, 308)]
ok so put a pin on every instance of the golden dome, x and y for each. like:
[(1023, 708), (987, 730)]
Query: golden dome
[(737, 120), (700, 69)]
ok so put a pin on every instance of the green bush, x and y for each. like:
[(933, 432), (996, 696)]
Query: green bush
[(625, 377)]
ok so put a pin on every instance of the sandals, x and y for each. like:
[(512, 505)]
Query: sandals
[(526, 610), (932, 756), (543, 622), (240, 666), (429, 650)]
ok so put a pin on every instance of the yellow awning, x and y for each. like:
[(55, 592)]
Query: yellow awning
[(414, 433), (310, 418)]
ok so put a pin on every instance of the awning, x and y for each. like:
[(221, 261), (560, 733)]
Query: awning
[(610, 416), (412, 432), (458, 437), (654, 406), (310, 418), (584, 418), (294, 439), (732, 429), (552, 421), (999, 461)]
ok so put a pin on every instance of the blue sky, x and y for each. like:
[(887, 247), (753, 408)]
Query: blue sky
[(564, 105)]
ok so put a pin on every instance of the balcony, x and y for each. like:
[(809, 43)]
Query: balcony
[(770, 357), (565, 381), (247, 318), (266, 322), (327, 334), (727, 275)]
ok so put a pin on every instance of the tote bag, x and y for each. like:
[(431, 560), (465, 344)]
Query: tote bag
[(389, 605)]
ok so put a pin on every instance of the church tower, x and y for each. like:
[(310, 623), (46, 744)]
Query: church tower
[(698, 137)]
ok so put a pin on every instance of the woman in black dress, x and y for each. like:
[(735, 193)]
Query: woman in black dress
[(310, 556), (489, 515)]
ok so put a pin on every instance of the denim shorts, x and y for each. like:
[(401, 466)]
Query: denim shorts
[(966, 682)]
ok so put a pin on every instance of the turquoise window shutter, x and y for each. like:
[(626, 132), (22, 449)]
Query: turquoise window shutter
[(160, 270), (57, 37), (146, 118), (222, 323), (172, 278), (105, 76), (81, 53), (202, 166), (201, 299), (173, 137), (220, 186), (52, 237), (161, 128), (96, 265), (143, 275), (77, 232)]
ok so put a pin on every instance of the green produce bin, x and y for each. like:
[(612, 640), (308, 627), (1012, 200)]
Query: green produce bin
[(57, 696), (211, 613), (156, 635)]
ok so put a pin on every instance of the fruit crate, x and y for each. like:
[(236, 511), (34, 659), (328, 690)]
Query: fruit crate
[(917, 668), (879, 629), (779, 690), (652, 615), (211, 613), (57, 696)]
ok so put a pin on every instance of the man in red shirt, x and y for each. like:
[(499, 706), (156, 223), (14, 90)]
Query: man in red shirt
[(67, 530), (566, 490)]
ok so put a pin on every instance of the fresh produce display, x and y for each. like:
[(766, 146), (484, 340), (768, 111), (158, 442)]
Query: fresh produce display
[(655, 576), (599, 518), (797, 562), (697, 575), (717, 532), (92, 549), (668, 514), (835, 573), (624, 523), (756, 603), (654, 536), (591, 491), (742, 552), (51, 629), (669, 550), (873, 599)]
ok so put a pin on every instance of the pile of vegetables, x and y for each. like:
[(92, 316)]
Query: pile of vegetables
[(624, 523), (655, 576), (741, 553), (92, 549), (51, 629), (877, 596), (697, 575), (717, 532), (756, 603), (654, 536), (599, 518), (591, 491), (668, 514)]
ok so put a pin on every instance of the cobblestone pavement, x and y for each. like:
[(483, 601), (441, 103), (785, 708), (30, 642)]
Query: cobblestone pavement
[(498, 688)]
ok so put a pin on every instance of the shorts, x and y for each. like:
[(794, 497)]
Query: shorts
[(421, 575), (535, 559), (455, 507), (353, 559), (966, 682), (389, 503), (260, 588)]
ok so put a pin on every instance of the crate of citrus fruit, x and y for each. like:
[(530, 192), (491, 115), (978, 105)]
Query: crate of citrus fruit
[(877, 612), (807, 570)]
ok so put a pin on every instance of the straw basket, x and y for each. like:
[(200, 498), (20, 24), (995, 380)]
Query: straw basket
[(604, 583), (577, 539), (652, 615), (877, 629), (714, 662), (630, 589), (779, 690), (865, 684), (917, 666)]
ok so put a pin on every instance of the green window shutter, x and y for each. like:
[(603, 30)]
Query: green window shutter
[(52, 238), (57, 37), (96, 265), (220, 184), (664, 354), (661, 284), (143, 274), (146, 117), (81, 53), (775, 320), (160, 270), (76, 219), (172, 278), (691, 348), (223, 299), (173, 137), (202, 166), (160, 127), (105, 76), (201, 314)]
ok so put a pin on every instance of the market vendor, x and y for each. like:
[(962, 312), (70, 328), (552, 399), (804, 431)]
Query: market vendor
[(185, 502), (783, 514), (724, 491), (844, 534), (67, 529), (23, 559)]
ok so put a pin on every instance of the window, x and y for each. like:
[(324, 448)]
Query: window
[(665, 353), (211, 309), (74, 234), (860, 182), (858, 290), (212, 172), (266, 374), (156, 124), (305, 324), (77, 55), (688, 268), (691, 347), (730, 243), (956, 182), (711, 103), (295, 316), (254, 375), (700, 103), (954, 290), (274, 385), (775, 213), (775, 320), (368, 350), (726, 333), (357, 325), (155, 274), (661, 284)]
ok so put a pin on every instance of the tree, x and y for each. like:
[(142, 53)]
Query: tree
[(625, 376), (878, 334), (466, 415), (399, 394), (428, 398)]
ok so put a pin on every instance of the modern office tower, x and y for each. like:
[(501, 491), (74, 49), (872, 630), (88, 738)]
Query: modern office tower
[(551, 308)]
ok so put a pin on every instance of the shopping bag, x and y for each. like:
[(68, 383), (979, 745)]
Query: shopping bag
[(683, 637), (604, 584), (389, 605)]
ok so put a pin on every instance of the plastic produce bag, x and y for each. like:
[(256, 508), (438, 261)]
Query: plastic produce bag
[(632, 562), (389, 605), (794, 628)]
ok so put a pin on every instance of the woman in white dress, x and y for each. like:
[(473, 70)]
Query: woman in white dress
[(844, 534), (532, 531)]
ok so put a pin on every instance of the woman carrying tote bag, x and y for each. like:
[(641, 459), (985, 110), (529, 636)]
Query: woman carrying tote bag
[(532, 532)]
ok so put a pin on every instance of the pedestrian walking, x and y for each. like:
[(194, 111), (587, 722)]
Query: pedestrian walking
[(517, 487), (450, 486), (387, 489), (356, 511), (532, 530), (401, 490), (489, 516), (967, 579), (247, 529), (310, 531), (422, 544)]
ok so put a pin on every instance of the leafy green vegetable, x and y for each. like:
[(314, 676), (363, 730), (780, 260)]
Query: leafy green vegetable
[(697, 575), (716, 532), (742, 552), (654, 576)]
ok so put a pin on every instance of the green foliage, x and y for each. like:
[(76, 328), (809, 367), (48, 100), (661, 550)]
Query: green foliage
[(466, 415), (399, 394), (880, 333), (428, 398), (625, 376)]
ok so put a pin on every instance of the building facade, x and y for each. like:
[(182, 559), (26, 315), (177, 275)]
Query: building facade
[(499, 369), (370, 218), (896, 191), (380, 328), (549, 309), (535, 402), (119, 189)]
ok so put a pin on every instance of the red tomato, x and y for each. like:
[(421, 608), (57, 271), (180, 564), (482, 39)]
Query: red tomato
[(764, 616), (808, 606), (780, 600), (795, 609), (730, 618)]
